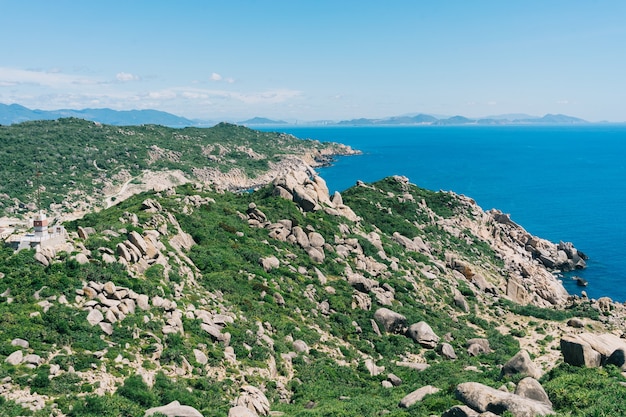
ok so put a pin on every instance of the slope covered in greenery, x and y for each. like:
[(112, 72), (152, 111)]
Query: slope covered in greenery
[(73, 160), (300, 327)]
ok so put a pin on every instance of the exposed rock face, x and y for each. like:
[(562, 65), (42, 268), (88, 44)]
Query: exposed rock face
[(391, 321), (174, 409), (478, 346), (483, 398), (521, 364), (593, 350), (423, 334), (253, 399), (417, 395), (532, 389), (310, 192)]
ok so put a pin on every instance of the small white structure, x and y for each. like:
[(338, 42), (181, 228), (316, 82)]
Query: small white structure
[(42, 236)]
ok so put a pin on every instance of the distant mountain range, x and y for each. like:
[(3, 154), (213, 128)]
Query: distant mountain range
[(425, 119), (15, 113)]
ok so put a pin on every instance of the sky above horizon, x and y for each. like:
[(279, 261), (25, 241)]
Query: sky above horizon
[(317, 60)]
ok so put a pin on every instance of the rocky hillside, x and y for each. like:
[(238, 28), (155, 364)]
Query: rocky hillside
[(73, 165), (387, 299)]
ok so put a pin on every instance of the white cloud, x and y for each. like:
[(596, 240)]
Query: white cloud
[(13, 76), (125, 77), (218, 78), (562, 102)]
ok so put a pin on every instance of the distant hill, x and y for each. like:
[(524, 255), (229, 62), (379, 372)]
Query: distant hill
[(506, 119), (261, 121), (555, 119), (15, 113), (397, 120)]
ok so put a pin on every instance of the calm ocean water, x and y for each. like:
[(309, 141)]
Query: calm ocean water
[(559, 182)]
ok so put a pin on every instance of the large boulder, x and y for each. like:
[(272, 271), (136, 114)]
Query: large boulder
[(417, 395), (478, 346), (579, 353), (521, 364), (483, 398), (531, 388), (391, 321), (174, 409), (240, 411), (423, 334), (592, 350)]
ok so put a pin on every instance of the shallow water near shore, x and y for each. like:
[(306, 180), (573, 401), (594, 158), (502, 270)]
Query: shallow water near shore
[(559, 182)]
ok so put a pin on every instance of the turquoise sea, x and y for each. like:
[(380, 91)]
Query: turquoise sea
[(559, 182)]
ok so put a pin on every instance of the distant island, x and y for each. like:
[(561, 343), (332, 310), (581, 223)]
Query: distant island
[(425, 119), (16, 113)]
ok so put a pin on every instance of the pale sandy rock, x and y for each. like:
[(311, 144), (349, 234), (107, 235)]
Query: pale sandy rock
[(478, 346), (447, 351), (174, 409), (423, 334), (316, 240), (81, 258), (316, 254), (42, 259), (20, 343), (122, 251), (109, 288), (417, 395), (200, 357), (143, 302), (110, 316), (391, 321), (531, 388), (521, 364), (483, 398), (253, 399), (394, 379), (269, 263), (15, 358), (416, 366), (138, 241), (90, 293), (94, 317), (32, 359), (300, 346), (106, 328), (301, 236), (373, 369), (241, 411)]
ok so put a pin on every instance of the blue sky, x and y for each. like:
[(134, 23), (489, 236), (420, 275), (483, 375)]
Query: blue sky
[(317, 59)]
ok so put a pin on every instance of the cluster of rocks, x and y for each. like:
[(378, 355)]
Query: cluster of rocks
[(310, 192), (529, 399), (30, 360), (251, 402), (284, 230), (526, 399), (594, 350), (108, 303)]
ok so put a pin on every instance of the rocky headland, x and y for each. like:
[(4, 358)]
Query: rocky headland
[(387, 299)]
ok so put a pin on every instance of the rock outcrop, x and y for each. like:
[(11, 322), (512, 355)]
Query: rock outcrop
[(482, 398)]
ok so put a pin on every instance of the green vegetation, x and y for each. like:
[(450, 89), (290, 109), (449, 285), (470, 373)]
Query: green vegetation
[(73, 158), (298, 299)]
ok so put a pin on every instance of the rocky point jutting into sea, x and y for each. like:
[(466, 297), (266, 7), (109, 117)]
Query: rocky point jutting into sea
[(383, 299)]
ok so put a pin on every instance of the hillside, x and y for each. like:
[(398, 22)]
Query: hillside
[(81, 166), (389, 299)]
